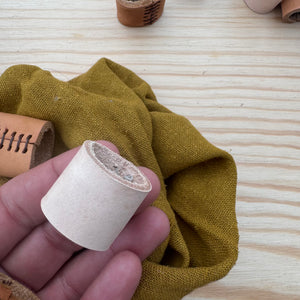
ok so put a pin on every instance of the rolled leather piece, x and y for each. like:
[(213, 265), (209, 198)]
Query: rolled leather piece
[(290, 11), (137, 13), (24, 143), (95, 196), (262, 6)]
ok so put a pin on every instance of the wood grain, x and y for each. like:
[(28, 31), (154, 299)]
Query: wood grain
[(234, 74)]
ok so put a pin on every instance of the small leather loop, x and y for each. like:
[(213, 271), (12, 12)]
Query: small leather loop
[(290, 11), (137, 13), (24, 143)]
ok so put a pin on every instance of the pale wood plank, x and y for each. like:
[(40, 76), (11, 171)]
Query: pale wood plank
[(234, 74)]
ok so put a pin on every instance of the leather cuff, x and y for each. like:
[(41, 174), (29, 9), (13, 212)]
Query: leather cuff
[(24, 143), (137, 13), (290, 11)]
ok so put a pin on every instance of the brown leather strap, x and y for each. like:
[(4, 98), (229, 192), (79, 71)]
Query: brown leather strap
[(290, 11), (137, 13), (24, 143)]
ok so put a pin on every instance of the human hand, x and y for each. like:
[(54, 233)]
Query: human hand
[(36, 254)]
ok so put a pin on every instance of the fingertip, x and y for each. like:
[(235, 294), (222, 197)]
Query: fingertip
[(118, 280), (162, 223), (128, 266), (131, 263)]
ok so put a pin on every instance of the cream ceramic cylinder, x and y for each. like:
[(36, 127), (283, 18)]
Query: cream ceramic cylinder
[(262, 6), (95, 196)]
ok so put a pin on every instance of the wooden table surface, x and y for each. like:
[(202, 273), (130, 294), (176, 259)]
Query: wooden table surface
[(234, 74)]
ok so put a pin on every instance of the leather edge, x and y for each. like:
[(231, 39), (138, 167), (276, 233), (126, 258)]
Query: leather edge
[(290, 11), (44, 145)]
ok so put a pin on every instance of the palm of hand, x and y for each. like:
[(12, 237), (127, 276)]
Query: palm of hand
[(34, 253)]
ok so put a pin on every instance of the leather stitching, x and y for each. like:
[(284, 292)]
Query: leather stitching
[(151, 13), (3, 138), (12, 140)]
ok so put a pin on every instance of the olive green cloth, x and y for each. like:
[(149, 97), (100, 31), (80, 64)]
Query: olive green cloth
[(198, 180)]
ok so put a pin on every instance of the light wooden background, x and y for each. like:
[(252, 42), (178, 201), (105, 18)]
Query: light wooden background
[(234, 74)]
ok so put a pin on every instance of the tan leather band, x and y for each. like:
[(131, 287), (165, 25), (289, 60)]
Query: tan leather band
[(24, 143), (290, 11), (137, 13)]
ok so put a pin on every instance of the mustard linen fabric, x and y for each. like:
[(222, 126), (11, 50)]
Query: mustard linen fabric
[(198, 180)]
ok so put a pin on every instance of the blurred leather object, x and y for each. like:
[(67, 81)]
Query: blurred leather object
[(138, 13), (290, 11)]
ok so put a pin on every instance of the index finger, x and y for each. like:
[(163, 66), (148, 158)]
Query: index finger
[(20, 199)]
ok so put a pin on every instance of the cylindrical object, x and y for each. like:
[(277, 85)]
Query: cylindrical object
[(290, 11), (137, 13), (262, 6), (95, 196)]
